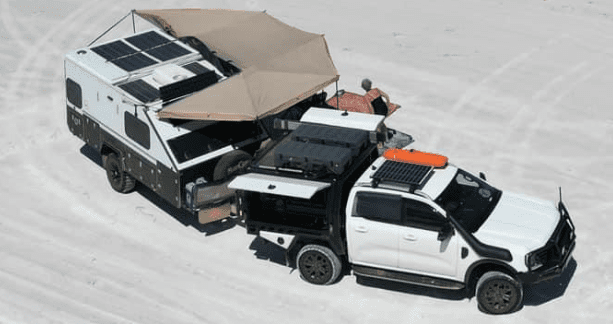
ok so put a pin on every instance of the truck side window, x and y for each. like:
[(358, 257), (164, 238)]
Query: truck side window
[(421, 215), (137, 130), (379, 207), (73, 93)]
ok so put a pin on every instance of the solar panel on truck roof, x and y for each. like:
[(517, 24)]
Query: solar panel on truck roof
[(405, 173)]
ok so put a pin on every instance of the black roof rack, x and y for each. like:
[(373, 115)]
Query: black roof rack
[(401, 173)]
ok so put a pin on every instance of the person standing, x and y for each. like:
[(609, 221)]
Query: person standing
[(375, 97)]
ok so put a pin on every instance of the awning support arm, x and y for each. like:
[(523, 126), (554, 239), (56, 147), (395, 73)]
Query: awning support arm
[(133, 23), (117, 23)]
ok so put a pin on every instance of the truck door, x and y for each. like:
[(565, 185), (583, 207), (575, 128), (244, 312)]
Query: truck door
[(373, 228), (420, 249)]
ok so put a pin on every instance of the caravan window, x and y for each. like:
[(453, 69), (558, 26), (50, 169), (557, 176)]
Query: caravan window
[(137, 130), (73, 93)]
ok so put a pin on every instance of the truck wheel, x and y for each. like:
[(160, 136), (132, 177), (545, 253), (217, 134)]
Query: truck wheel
[(230, 164), (120, 180), (498, 293), (318, 264)]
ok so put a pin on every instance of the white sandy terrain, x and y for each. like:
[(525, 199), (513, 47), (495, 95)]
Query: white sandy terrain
[(518, 89)]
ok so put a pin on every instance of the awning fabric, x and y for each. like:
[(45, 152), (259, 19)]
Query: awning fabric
[(281, 65)]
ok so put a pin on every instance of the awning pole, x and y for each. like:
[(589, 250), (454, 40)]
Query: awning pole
[(338, 106), (133, 23), (117, 23)]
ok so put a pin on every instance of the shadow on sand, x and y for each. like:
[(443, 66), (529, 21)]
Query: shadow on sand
[(182, 216), (265, 250)]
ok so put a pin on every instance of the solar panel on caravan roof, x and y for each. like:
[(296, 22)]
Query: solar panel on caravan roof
[(141, 90), (113, 50), (167, 52), (196, 68), (130, 59), (123, 56), (147, 40), (134, 62), (157, 46)]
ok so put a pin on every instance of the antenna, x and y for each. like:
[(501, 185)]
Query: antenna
[(560, 190)]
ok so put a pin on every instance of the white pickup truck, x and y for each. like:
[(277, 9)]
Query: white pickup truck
[(405, 216)]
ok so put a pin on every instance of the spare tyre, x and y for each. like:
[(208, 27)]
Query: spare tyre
[(231, 164)]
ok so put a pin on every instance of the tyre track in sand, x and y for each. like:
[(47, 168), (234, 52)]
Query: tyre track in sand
[(540, 116), (21, 110), (479, 89), (107, 294), (27, 72), (537, 109), (10, 25)]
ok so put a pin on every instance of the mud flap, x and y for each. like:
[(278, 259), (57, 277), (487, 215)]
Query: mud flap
[(212, 214)]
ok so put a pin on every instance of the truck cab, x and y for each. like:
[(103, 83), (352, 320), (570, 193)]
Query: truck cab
[(413, 217)]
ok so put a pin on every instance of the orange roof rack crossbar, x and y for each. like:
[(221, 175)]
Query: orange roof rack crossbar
[(416, 157)]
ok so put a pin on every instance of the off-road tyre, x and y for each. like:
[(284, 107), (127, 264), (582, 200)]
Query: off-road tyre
[(120, 180), (231, 164), (498, 293), (318, 264)]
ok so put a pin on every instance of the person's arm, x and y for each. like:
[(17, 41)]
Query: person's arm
[(386, 97)]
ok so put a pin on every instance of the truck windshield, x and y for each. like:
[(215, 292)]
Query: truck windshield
[(469, 200)]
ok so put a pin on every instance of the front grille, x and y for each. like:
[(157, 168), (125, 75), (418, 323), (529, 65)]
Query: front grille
[(558, 245), (544, 255), (564, 238)]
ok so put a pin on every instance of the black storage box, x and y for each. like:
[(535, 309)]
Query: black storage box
[(354, 139), (312, 157)]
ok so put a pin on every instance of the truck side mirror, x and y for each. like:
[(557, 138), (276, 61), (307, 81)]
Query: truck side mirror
[(482, 176), (445, 232)]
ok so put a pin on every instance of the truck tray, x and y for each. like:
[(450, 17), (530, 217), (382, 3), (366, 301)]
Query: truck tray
[(312, 157), (354, 139)]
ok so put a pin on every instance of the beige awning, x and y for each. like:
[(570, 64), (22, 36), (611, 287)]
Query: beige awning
[(281, 65)]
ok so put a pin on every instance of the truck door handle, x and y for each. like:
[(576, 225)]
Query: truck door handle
[(361, 229), (410, 237)]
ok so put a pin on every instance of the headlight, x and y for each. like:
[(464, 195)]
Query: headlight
[(534, 261)]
